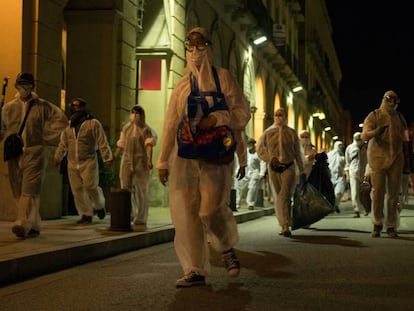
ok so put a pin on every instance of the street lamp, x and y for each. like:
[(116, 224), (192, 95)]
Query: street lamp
[(297, 89), (260, 40)]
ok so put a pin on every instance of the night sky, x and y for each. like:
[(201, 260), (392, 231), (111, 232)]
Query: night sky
[(373, 40)]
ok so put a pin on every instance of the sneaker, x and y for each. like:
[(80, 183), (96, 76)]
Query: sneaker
[(231, 263), (101, 213), (392, 233), (376, 233), (191, 279), (337, 210), (19, 231), (356, 215), (251, 207), (85, 220)]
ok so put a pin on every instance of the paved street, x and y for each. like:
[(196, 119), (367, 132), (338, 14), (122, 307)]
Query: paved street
[(332, 265)]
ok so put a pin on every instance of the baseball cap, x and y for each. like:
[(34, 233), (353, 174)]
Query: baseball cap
[(25, 78)]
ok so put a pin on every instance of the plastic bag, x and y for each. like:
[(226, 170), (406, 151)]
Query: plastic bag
[(309, 206), (320, 177), (408, 157), (365, 195)]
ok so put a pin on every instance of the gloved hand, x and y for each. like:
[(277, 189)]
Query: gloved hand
[(303, 179)]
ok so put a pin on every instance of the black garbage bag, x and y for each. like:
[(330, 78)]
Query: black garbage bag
[(320, 177), (309, 206)]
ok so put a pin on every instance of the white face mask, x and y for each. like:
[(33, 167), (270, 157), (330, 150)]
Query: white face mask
[(24, 90), (135, 117), (197, 57)]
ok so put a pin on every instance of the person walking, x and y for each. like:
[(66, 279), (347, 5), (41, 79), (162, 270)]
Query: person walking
[(80, 141), (309, 151), (239, 166), (256, 170), (355, 163), (199, 190), (280, 148), (135, 144), (385, 129), (336, 160), (44, 122)]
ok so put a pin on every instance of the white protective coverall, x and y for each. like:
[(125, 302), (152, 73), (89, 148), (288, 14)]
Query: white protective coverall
[(134, 173), (281, 142), (385, 129), (355, 163), (336, 160), (309, 151), (45, 122), (256, 170), (83, 167), (199, 192), (239, 163)]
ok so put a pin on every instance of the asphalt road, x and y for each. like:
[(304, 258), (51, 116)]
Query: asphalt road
[(333, 265)]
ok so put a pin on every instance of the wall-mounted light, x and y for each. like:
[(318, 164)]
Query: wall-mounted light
[(328, 128), (335, 137), (319, 115), (260, 40), (297, 89)]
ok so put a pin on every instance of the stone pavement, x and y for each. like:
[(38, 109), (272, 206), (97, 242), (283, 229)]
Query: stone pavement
[(62, 243)]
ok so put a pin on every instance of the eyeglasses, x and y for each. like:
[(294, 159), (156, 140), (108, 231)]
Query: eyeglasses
[(278, 115), (200, 45), (390, 98), (304, 137)]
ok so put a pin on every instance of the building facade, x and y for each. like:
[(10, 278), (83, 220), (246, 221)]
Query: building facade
[(118, 53)]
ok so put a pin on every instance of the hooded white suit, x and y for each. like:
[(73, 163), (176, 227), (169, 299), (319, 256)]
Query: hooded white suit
[(45, 121), (336, 160), (83, 168), (385, 129), (199, 192), (355, 163)]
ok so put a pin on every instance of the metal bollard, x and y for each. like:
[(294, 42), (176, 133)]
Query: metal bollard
[(233, 200), (259, 199), (120, 209)]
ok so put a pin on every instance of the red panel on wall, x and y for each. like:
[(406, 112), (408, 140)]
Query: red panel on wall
[(150, 74)]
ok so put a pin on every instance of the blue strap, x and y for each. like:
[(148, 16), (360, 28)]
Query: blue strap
[(218, 105)]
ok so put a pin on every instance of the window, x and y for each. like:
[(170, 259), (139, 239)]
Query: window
[(150, 74)]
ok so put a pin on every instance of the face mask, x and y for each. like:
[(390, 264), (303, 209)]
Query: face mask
[(24, 90), (134, 117), (197, 57)]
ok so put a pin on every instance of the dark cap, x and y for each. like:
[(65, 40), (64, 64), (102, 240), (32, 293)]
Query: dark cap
[(137, 109), (82, 102), (25, 78)]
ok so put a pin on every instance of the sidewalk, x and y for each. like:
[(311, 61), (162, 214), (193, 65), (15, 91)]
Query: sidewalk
[(63, 243)]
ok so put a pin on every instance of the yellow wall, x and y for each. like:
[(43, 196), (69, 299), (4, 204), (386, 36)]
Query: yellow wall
[(11, 43)]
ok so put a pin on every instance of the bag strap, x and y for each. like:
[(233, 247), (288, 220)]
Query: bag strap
[(25, 117), (218, 105)]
